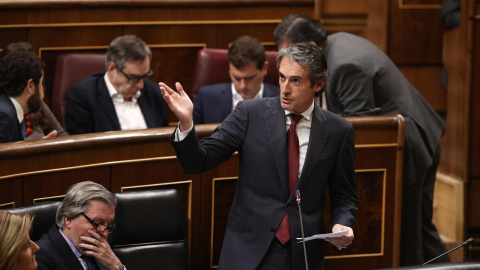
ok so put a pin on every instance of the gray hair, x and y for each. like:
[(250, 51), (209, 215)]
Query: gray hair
[(308, 56), (125, 48), (78, 198)]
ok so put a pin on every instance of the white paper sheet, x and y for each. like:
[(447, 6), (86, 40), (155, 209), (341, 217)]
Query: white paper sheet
[(324, 235)]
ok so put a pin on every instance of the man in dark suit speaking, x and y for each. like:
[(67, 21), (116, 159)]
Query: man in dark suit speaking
[(363, 80), (264, 220), (122, 98), (247, 67)]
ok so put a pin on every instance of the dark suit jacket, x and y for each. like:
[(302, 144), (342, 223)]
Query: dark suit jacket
[(362, 77), (89, 107), (55, 253), (10, 130), (213, 103), (256, 129)]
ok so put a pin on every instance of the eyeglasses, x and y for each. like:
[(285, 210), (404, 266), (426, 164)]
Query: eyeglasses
[(110, 227), (135, 78)]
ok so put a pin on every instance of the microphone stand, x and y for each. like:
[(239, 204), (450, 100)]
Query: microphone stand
[(468, 242), (297, 196)]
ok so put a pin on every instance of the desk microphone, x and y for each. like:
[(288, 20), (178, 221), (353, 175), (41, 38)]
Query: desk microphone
[(374, 110), (466, 243), (298, 199)]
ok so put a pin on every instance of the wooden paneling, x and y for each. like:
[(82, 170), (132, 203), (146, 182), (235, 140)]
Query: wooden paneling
[(342, 7), (427, 80), (415, 33), (50, 184), (475, 100), (11, 192)]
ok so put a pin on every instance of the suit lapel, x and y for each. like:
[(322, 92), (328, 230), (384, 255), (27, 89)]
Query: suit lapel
[(276, 132), (67, 256), (316, 143), (226, 100), (107, 104)]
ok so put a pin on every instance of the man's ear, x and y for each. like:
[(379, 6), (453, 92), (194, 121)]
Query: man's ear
[(319, 47), (265, 68), (30, 87), (319, 86), (110, 67), (68, 222)]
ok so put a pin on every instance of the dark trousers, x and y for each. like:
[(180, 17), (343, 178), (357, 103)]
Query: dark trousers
[(420, 239), (278, 257)]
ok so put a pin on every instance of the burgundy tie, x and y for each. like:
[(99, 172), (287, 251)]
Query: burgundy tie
[(283, 232)]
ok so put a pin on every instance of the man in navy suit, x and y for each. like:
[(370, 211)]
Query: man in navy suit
[(247, 68), (363, 78), (21, 92), (120, 99), (78, 240), (263, 200)]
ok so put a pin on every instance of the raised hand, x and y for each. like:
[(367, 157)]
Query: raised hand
[(179, 103), (98, 247)]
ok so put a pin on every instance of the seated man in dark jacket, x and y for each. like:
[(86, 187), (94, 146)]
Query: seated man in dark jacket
[(120, 99), (247, 68)]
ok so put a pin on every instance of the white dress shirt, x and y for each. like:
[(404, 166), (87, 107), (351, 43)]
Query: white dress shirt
[(128, 112), (18, 109), (236, 97), (303, 131)]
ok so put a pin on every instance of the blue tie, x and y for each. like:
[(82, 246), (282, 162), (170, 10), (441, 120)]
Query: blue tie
[(22, 127), (89, 262)]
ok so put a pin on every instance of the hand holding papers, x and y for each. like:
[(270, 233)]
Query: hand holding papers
[(324, 235)]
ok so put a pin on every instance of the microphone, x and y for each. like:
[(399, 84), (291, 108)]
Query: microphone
[(374, 110), (466, 243), (298, 199)]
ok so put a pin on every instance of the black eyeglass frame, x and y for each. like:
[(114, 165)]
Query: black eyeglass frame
[(135, 78), (109, 227)]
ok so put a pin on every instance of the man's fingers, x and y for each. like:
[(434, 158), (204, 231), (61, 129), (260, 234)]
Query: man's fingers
[(179, 88), (165, 87)]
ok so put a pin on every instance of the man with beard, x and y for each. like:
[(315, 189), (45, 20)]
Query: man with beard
[(21, 92), (120, 99)]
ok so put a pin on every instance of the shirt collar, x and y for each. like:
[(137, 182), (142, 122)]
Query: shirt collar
[(239, 97), (70, 244), (18, 109), (114, 93), (307, 114)]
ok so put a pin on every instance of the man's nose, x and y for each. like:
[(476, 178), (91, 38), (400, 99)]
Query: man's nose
[(139, 84), (243, 83), (104, 234)]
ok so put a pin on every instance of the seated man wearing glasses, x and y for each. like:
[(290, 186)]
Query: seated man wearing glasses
[(79, 238), (122, 98)]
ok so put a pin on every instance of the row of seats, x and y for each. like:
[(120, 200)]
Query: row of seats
[(211, 67), (150, 228)]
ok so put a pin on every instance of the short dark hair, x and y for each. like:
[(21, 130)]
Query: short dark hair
[(308, 56), (127, 48), (245, 50), (298, 28), (16, 68)]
